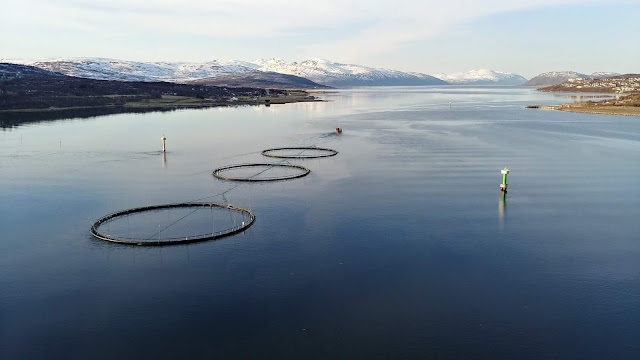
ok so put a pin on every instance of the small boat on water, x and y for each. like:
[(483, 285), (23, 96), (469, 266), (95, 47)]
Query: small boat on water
[(338, 130)]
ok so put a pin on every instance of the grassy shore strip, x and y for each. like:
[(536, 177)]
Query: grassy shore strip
[(590, 109), (322, 91), (604, 110), (190, 102)]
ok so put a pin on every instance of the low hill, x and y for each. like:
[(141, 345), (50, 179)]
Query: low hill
[(558, 77), (554, 78), (260, 79), (629, 83)]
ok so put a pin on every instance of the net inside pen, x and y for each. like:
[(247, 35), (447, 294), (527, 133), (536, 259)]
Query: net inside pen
[(299, 152), (260, 172), (173, 223)]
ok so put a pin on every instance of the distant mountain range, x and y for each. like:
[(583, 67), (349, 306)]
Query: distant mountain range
[(482, 77), (281, 74), (112, 69), (278, 73), (216, 72), (559, 77)]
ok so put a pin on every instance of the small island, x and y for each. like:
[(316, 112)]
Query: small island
[(628, 105), (625, 105)]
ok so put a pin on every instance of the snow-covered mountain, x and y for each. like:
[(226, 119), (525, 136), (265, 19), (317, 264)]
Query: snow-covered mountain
[(320, 71), (603, 74), (343, 75), (482, 77), (112, 69), (554, 78), (12, 70)]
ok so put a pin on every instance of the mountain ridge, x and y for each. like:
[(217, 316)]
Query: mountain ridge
[(482, 77), (263, 72), (345, 75)]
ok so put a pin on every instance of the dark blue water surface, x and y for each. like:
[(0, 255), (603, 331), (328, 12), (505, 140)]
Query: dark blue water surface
[(398, 247)]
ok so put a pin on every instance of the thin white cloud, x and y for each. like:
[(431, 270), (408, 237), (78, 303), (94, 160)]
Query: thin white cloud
[(415, 20), (374, 26)]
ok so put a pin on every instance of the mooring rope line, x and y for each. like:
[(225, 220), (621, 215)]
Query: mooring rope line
[(208, 197), (170, 225)]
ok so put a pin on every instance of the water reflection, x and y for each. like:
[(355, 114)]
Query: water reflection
[(502, 207), (327, 252), (585, 97), (9, 120)]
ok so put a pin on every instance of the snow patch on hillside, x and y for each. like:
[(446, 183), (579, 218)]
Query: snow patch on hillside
[(603, 74), (112, 69), (337, 74), (482, 77)]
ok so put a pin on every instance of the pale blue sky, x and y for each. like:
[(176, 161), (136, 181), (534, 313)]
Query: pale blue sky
[(525, 37)]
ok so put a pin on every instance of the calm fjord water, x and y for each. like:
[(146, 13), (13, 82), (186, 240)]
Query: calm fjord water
[(399, 247)]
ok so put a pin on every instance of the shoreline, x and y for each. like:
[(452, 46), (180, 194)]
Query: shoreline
[(604, 110), (598, 110), (626, 105)]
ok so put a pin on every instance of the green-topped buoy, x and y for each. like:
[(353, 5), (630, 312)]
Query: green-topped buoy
[(504, 172)]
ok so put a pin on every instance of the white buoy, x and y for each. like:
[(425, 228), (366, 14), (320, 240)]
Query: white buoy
[(164, 139)]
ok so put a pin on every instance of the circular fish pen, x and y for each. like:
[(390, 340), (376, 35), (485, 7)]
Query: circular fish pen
[(171, 224), (260, 172), (299, 152)]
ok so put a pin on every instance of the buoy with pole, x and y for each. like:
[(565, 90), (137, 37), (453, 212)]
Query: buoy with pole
[(164, 139), (503, 186)]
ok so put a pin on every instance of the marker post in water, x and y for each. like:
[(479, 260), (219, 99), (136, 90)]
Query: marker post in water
[(503, 186), (164, 139)]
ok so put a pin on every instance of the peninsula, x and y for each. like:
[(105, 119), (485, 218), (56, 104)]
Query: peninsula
[(628, 105), (28, 92)]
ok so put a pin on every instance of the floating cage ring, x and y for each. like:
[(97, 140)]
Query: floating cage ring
[(319, 152), (301, 172), (96, 232)]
